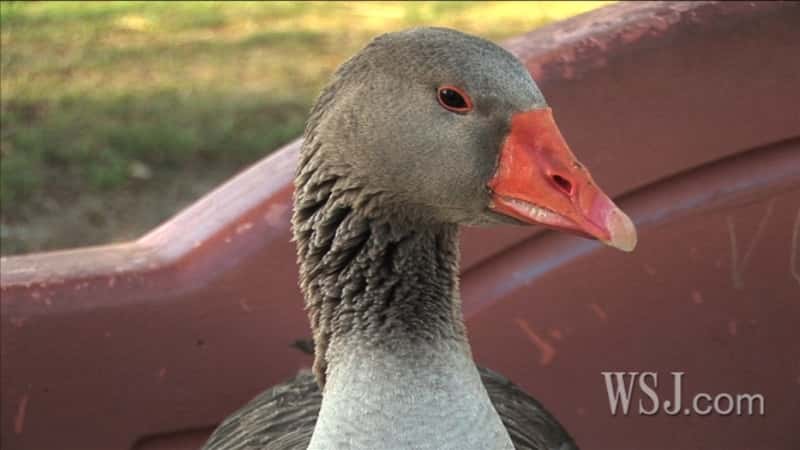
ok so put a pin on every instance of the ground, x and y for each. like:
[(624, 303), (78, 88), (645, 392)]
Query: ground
[(115, 115)]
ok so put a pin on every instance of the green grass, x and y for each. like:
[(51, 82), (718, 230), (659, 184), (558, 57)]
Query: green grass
[(103, 101)]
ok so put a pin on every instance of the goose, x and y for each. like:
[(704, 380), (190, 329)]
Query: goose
[(422, 131)]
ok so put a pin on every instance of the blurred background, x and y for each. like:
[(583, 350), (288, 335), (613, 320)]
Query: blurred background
[(115, 115)]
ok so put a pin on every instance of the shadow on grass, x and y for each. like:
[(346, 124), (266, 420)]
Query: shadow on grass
[(55, 153)]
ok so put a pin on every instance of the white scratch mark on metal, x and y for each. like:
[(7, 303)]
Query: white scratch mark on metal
[(794, 266), (737, 266)]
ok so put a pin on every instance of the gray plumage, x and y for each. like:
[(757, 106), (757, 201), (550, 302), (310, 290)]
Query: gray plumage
[(384, 178), (283, 417)]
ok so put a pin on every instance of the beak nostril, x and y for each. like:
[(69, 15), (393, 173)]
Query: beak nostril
[(563, 184)]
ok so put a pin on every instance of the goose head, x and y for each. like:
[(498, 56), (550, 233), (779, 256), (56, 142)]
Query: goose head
[(455, 128)]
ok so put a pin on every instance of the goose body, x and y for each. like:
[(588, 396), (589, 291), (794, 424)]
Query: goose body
[(422, 131), (283, 417)]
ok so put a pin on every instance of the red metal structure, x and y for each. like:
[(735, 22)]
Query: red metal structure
[(687, 113)]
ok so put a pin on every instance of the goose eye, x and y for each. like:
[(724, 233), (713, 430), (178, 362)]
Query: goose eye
[(453, 99)]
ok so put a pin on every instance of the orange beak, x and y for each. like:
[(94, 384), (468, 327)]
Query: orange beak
[(539, 181)]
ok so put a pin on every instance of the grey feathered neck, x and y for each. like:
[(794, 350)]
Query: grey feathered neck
[(367, 270)]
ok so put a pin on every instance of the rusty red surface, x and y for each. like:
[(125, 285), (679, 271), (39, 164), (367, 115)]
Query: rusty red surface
[(685, 112)]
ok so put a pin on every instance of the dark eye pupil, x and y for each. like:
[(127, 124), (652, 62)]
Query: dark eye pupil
[(452, 98)]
